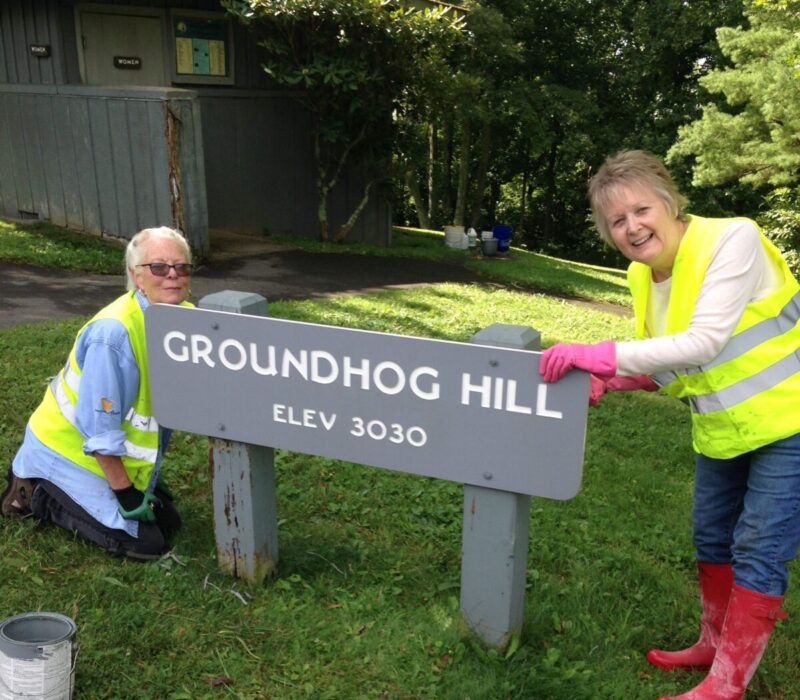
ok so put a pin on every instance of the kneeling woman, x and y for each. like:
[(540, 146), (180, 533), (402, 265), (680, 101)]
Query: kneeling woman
[(91, 455)]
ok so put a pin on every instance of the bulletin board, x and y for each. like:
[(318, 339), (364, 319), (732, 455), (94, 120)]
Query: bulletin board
[(203, 48)]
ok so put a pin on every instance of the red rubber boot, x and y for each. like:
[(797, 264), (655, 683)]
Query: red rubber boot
[(745, 634), (715, 589)]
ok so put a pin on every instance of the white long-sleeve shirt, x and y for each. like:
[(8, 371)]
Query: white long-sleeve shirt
[(739, 272)]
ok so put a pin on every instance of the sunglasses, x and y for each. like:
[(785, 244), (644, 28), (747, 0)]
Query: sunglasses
[(161, 269)]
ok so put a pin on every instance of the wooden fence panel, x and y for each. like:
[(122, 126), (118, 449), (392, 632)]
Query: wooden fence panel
[(156, 116), (104, 167), (33, 151), (143, 172), (79, 175), (97, 159), (19, 156), (8, 190), (52, 120)]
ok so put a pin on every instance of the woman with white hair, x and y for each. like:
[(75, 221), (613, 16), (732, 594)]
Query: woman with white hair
[(91, 456)]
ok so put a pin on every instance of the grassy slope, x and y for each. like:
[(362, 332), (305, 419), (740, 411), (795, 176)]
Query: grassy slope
[(521, 268), (50, 246)]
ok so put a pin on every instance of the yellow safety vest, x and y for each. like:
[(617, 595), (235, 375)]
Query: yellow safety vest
[(54, 422), (748, 396)]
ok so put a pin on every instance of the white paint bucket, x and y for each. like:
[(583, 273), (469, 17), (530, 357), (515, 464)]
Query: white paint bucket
[(37, 657)]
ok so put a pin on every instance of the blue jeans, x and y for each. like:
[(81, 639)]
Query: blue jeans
[(747, 511)]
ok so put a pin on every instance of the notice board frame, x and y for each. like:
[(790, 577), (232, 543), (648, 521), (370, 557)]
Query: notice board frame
[(215, 23)]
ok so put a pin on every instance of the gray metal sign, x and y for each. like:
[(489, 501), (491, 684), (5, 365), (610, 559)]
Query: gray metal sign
[(468, 413)]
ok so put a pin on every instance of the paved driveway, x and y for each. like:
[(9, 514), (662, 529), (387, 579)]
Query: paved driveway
[(30, 294)]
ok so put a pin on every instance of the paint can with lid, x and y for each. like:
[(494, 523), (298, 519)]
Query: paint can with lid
[(38, 651)]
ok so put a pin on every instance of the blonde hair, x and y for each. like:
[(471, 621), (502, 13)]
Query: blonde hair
[(632, 169), (134, 252)]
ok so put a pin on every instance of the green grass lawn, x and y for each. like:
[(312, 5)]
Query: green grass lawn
[(46, 245), (365, 603)]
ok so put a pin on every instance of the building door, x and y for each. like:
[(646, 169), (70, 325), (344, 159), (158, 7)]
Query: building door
[(123, 49)]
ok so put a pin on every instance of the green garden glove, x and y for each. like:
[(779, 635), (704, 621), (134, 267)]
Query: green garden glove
[(137, 505), (162, 487)]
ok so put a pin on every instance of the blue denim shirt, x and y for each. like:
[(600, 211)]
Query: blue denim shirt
[(108, 372)]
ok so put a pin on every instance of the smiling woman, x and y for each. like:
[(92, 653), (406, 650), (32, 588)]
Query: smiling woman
[(643, 229), (718, 324)]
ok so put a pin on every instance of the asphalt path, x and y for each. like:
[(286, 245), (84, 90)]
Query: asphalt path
[(30, 294)]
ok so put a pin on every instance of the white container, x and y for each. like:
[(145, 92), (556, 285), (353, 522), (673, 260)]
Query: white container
[(37, 657), (453, 230), (487, 235), (453, 235), (460, 242)]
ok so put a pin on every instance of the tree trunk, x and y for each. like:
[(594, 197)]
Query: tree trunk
[(322, 214), (549, 220), (423, 217), (478, 192), (343, 232), (325, 181), (494, 198), (463, 173), (446, 186), (523, 202), (432, 183), (322, 190)]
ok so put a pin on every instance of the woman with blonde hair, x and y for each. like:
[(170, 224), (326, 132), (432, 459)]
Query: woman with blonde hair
[(717, 314)]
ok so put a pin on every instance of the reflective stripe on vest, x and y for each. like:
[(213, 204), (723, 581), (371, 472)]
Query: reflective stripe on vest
[(143, 423), (66, 406), (730, 396), (746, 396), (738, 345), (664, 378), (147, 424), (71, 377), (756, 335)]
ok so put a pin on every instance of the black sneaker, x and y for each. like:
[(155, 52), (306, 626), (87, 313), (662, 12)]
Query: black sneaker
[(16, 499)]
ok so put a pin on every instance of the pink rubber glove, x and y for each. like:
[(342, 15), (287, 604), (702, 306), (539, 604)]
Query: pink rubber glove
[(599, 359), (598, 387), (638, 382)]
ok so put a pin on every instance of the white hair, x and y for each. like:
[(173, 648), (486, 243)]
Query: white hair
[(134, 253)]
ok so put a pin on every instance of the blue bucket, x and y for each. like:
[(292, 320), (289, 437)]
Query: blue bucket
[(503, 236)]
